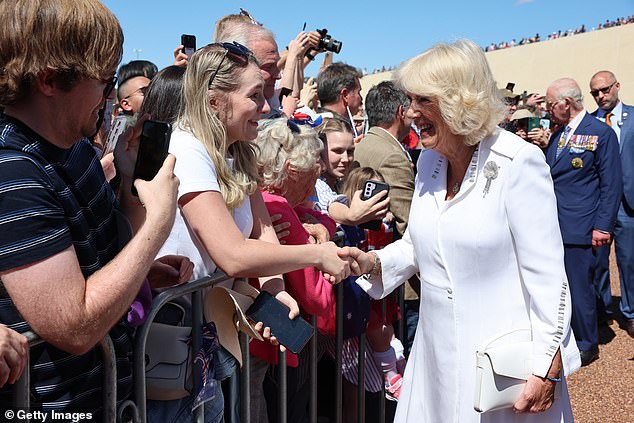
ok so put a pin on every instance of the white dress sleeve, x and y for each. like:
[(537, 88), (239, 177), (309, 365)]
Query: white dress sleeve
[(531, 209), (398, 264)]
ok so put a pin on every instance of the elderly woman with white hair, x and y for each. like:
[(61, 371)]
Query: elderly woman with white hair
[(288, 167), (484, 235)]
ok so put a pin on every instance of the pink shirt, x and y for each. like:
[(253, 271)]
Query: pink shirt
[(314, 294)]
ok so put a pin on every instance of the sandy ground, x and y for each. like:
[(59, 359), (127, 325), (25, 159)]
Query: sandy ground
[(604, 390)]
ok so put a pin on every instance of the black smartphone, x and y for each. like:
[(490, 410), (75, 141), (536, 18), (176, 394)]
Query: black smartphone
[(189, 44), (155, 142), (284, 91), (370, 189), (293, 334)]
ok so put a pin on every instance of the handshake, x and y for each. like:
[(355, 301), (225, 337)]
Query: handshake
[(339, 263)]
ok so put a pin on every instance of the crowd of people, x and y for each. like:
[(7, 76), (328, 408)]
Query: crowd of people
[(558, 34), (497, 213)]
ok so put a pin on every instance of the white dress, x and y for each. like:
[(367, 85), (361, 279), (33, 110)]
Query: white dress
[(489, 263)]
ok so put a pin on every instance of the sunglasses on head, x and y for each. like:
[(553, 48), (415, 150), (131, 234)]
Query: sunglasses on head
[(603, 90), (237, 52), (293, 127), (138, 90)]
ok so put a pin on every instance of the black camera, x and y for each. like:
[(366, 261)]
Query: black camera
[(327, 42)]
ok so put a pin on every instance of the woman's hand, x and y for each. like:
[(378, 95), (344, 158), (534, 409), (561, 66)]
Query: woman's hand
[(333, 267), (14, 351), (308, 94), (285, 298), (180, 58), (281, 228), (374, 208), (298, 47), (360, 262), (318, 233), (170, 270), (538, 395), (539, 137)]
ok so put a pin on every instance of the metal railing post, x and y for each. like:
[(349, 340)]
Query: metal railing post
[(109, 380), (313, 373), (197, 323), (21, 388), (245, 379), (282, 387), (383, 399), (361, 379), (338, 356), (143, 332)]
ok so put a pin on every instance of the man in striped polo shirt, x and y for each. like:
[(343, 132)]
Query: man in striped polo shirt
[(63, 271)]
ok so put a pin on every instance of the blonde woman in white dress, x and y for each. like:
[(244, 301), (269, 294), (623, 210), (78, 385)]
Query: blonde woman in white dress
[(484, 235)]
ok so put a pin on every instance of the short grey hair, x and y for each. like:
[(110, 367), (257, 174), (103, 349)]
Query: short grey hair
[(568, 88), (382, 102), (278, 145), (243, 33)]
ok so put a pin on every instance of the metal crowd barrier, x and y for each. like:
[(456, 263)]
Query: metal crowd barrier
[(135, 410), (21, 389)]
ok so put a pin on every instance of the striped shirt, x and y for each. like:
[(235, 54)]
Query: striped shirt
[(51, 199)]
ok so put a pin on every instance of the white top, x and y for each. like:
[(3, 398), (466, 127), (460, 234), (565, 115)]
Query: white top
[(489, 263), (197, 173)]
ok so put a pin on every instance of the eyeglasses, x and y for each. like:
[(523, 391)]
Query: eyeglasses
[(550, 105), (138, 90), (110, 83), (603, 90), (237, 52)]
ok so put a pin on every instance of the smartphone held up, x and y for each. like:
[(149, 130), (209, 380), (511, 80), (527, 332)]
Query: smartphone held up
[(153, 149), (370, 189), (189, 44)]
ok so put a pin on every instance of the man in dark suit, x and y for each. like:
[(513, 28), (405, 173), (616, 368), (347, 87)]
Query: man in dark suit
[(583, 155), (605, 89)]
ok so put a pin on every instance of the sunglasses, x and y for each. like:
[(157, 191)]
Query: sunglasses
[(603, 90), (141, 90), (237, 52), (248, 15), (110, 83), (293, 127)]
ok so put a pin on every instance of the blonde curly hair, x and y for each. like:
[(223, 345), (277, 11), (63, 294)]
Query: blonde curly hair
[(458, 76), (278, 145)]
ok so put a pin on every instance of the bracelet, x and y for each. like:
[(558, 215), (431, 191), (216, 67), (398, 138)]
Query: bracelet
[(376, 267), (310, 56), (554, 379)]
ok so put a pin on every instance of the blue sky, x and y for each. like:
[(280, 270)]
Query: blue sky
[(374, 33)]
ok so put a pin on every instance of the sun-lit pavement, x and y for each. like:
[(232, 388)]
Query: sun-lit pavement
[(604, 390)]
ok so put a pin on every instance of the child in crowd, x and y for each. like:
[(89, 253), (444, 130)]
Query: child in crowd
[(387, 349)]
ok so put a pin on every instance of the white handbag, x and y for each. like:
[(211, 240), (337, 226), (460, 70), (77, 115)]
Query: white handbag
[(503, 365)]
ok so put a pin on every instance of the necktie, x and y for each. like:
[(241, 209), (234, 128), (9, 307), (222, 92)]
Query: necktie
[(562, 140), (607, 119)]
